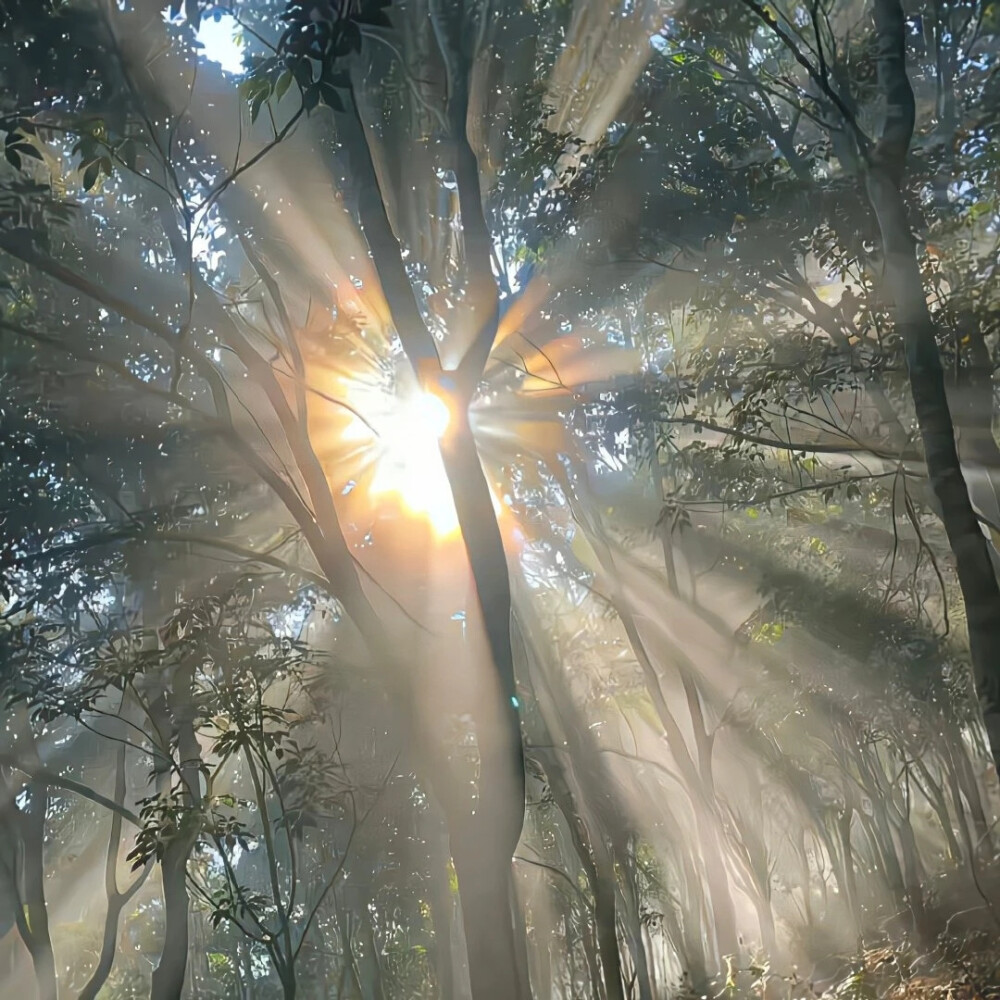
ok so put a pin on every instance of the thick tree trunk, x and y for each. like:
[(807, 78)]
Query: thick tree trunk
[(484, 891), (903, 288), (483, 841)]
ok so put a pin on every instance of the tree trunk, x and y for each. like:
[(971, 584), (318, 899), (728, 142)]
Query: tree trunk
[(488, 839), (624, 849), (903, 288), (442, 914), (22, 837), (970, 791), (844, 823), (597, 864), (484, 890), (168, 976), (116, 900), (35, 916)]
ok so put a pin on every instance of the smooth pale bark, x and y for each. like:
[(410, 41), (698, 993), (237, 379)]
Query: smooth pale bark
[(903, 288)]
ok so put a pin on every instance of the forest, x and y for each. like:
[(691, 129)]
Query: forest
[(500, 499)]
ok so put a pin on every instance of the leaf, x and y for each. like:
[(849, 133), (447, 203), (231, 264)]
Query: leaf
[(91, 174), (331, 98), (283, 83), (256, 104), (303, 72), (13, 157), (26, 149), (127, 152)]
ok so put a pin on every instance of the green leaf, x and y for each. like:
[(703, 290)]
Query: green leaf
[(127, 152), (91, 174), (256, 104), (331, 98), (283, 83), (26, 149)]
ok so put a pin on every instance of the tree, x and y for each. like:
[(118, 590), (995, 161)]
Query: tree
[(320, 370)]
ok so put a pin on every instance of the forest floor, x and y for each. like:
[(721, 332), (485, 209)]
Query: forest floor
[(959, 959), (966, 970)]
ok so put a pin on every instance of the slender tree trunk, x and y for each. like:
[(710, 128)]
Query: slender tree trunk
[(935, 796), (35, 915), (588, 938), (116, 900), (541, 954), (168, 976), (597, 864), (487, 840), (624, 850), (442, 915), (22, 837), (970, 790), (844, 823), (904, 290)]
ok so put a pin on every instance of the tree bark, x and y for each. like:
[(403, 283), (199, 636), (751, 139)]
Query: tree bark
[(35, 916), (487, 838), (168, 976), (903, 287), (599, 869), (117, 900), (22, 835)]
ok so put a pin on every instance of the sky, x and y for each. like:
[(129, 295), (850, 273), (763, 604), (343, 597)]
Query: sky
[(220, 45)]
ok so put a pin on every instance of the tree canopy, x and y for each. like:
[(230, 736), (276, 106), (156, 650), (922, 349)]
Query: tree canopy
[(499, 499)]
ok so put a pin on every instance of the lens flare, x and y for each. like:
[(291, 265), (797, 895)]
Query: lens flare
[(409, 467)]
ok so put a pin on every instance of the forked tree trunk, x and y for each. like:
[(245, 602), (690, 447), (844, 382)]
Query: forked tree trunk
[(483, 844)]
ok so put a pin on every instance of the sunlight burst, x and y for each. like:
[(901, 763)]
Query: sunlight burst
[(409, 467)]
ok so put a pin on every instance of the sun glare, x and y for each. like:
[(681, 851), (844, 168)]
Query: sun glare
[(409, 467)]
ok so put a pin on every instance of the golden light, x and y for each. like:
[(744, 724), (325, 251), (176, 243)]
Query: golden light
[(408, 468), (430, 412)]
